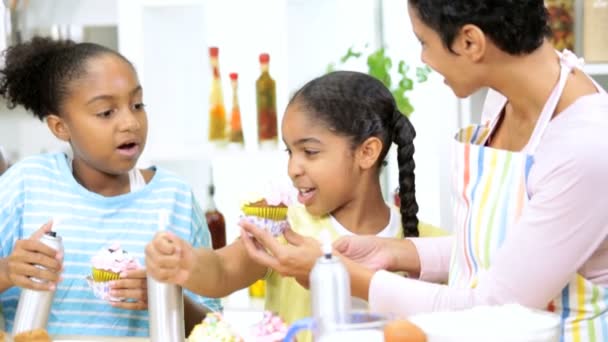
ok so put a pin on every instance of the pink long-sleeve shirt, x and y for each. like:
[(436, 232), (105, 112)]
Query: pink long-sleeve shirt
[(562, 231)]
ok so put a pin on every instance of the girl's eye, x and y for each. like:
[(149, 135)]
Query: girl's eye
[(139, 106), (105, 114), (311, 152)]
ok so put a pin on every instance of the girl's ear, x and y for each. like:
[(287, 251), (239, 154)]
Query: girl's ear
[(58, 127), (369, 152)]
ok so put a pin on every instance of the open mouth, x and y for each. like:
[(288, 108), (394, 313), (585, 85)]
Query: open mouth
[(305, 195), (130, 149)]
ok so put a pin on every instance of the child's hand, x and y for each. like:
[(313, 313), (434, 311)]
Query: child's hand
[(131, 285), (169, 259), (30, 252), (293, 260)]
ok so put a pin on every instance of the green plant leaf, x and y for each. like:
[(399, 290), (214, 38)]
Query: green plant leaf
[(350, 54), (422, 73), (380, 65), (331, 67), (406, 84), (403, 102)]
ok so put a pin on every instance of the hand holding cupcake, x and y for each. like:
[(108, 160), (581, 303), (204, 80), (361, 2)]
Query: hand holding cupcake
[(268, 210), (107, 266)]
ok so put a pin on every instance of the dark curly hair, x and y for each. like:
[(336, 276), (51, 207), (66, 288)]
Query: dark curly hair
[(37, 73), (358, 106), (515, 26)]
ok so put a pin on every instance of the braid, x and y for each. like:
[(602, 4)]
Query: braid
[(403, 135)]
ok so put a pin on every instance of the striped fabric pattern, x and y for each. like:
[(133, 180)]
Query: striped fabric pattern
[(489, 195), (484, 174), (41, 188)]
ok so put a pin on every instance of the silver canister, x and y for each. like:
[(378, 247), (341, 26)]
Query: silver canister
[(165, 304), (35, 306), (166, 308), (330, 290)]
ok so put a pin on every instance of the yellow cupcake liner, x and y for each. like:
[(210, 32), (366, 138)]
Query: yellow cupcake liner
[(271, 213), (103, 275)]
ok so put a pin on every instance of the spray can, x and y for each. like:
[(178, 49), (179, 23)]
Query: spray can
[(330, 289), (165, 304), (35, 306)]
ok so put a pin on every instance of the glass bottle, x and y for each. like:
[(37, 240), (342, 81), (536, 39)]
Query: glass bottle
[(215, 220), (266, 104), (258, 289), (561, 22), (236, 129), (217, 111)]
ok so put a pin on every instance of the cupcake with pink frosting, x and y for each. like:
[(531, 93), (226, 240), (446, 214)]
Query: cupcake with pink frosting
[(108, 263), (270, 329), (269, 210)]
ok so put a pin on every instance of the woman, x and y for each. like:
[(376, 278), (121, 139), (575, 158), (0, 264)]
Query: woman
[(530, 213)]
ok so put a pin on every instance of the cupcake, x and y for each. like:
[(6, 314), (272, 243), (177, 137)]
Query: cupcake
[(214, 328), (270, 329), (108, 263), (38, 335), (269, 211)]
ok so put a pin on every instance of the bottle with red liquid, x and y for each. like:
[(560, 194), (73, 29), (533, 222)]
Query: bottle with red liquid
[(266, 104), (215, 220), (236, 129)]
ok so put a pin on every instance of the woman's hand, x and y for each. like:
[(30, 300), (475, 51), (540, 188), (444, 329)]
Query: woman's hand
[(21, 264), (169, 259), (296, 259), (132, 286), (373, 252)]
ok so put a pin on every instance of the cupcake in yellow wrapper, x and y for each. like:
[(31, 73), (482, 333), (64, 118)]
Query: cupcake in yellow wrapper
[(108, 263), (103, 275), (269, 211), (262, 209)]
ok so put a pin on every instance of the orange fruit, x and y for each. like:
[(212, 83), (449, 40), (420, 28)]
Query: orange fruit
[(403, 331)]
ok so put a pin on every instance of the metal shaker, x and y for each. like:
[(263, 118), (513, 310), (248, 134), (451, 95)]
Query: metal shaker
[(35, 306), (330, 289), (165, 305)]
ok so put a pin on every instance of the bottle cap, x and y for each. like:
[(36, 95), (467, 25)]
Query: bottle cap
[(214, 51), (264, 58), (234, 76), (325, 238)]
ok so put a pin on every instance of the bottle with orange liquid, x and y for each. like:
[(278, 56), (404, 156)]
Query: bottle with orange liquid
[(266, 104), (217, 111), (236, 129)]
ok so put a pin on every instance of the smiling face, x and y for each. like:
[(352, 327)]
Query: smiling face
[(322, 165), (459, 72), (103, 116)]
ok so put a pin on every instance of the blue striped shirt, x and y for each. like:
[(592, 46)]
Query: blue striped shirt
[(40, 188)]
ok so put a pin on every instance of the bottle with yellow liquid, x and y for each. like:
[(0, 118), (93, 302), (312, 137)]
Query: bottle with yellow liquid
[(217, 111), (258, 289), (236, 129)]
